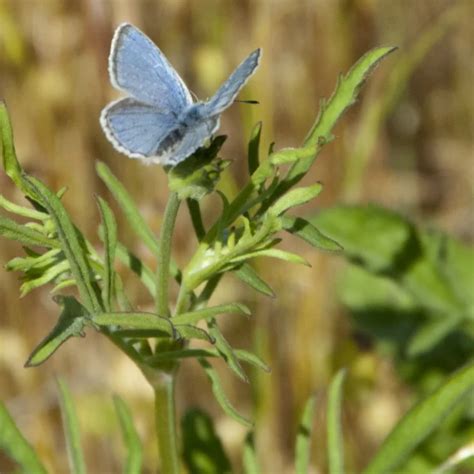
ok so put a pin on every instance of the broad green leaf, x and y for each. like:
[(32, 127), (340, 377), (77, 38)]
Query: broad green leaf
[(145, 274), (303, 438), (248, 275), (134, 320), (110, 242), (14, 445), (71, 430), (69, 237), (221, 397), (130, 437), (71, 323), (203, 452), (249, 458), (226, 351), (23, 235), (208, 313), (420, 421), (308, 232), (370, 234), (253, 159), (296, 197), (334, 425)]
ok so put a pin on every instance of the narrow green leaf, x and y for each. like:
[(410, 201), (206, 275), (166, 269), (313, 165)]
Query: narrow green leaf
[(420, 421), (10, 162), (129, 208), (130, 437), (275, 253), (50, 274), (345, 95), (334, 425), (23, 235), (34, 261), (71, 430), (303, 438), (196, 218), (250, 459), (296, 197), (208, 313), (134, 320), (15, 446), (226, 351), (144, 272), (20, 210), (253, 148), (252, 359), (71, 323), (221, 398), (248, 275), (309, 233), (192, 332), (69, 237), (110, 241)]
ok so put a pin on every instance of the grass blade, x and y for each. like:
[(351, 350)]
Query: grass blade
[(15, 446), (71, 430), (303, 438), (334, 426), (130, 437), (420, 421)]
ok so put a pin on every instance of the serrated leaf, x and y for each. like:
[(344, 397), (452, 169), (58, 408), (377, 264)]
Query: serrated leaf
[(420, 421), (134, 320), (303, 438), (226, 351), (14, 445), (309, 233), (130, 437), (248, 275), (203, 452), (253, 159), (221, 397), (193, 317), (71, 323), (110, 242), (334, 425), (69, 237), (71, 430), (24, 235)]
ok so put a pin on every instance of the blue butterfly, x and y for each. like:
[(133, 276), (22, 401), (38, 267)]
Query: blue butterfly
[(159, 122)]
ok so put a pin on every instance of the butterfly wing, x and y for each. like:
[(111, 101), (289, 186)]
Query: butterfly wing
[(136, 129), (183, 142), (228, 91), (139, 68)]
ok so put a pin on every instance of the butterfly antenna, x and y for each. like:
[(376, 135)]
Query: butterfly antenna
[(247, 101), (195, 96)]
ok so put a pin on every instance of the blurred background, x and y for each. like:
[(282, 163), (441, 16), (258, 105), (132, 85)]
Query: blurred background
[(406, 145)]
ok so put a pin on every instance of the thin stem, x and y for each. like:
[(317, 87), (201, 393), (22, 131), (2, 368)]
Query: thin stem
[(164, 254), (165, 414)]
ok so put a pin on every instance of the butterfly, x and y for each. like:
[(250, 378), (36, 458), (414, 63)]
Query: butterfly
[(158, 121)]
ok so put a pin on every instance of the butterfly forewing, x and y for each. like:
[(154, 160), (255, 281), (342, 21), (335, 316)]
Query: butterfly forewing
[(138, 67)]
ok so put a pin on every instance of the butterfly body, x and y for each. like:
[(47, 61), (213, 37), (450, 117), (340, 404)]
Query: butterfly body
[(159, 122)]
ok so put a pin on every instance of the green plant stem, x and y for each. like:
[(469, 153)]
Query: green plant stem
[(164, 255), (165, 419)]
